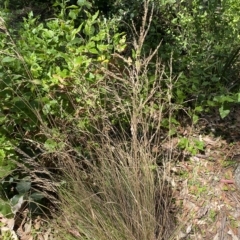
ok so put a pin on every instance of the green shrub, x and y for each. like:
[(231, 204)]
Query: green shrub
[(203, 40), (52, 71), (50, 81)]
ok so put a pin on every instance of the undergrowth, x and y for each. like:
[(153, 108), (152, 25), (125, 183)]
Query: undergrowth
[(88, 136), (85, 115)]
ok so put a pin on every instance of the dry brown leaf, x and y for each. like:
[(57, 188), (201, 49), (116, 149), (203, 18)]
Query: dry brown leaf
[(27, 227), (8, 225), (236, 213), (208, 140), (202, 212), (26, 237), (74, 232), (189, 206), (189, 228), (47, 234), (23, 235), (7, 222), (37, 223), (170, 144), (216, 237), (184, 190), (234, 237), (181, 235), (40, 237)]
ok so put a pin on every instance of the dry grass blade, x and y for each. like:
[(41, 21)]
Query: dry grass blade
[(124, 197), (122, 192)]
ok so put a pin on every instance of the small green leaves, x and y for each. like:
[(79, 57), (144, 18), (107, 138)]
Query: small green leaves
[(191, 146), (6, 157), (50, 145), (47, 33), (195, 118)]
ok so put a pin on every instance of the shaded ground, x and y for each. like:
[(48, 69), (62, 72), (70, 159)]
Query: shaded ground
[(205, 193)]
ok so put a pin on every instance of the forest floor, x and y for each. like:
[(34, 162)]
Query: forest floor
[(205, 192), (206, 199)]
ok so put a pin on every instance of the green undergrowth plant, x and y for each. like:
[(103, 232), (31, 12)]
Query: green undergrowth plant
[(16, 186), (191, 146), (7, 167), (210, 61), (203, 40), (43, 71), (50, 73)]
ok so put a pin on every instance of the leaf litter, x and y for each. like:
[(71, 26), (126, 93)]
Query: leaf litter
[(205, 192)]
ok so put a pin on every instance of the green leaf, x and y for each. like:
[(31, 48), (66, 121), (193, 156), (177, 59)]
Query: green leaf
[(36, 81), (8, 59), (102, 47), (198, 109), (94, 17), (93, 50), (199, 145), (183, 143), (72, 14), (85, 3), (2, 156), (17, 199), (195, 118), (50, 145), (238, 97), (223, 112), (89, 30), (5, 208), (48, 33), (17, 202), (23, 187), (81, 2), (174, 121), (37, 196), (5, 171)]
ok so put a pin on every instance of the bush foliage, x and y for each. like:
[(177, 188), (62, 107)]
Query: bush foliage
[(70, 69)]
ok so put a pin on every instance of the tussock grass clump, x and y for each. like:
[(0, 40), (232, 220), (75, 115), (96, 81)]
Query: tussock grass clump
[(120, 190), (124, 196)]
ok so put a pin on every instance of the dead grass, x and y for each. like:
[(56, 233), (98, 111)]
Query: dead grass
[(123, 197), (119, 191)]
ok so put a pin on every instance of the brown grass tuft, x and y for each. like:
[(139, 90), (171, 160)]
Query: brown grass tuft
[(120, 191)]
